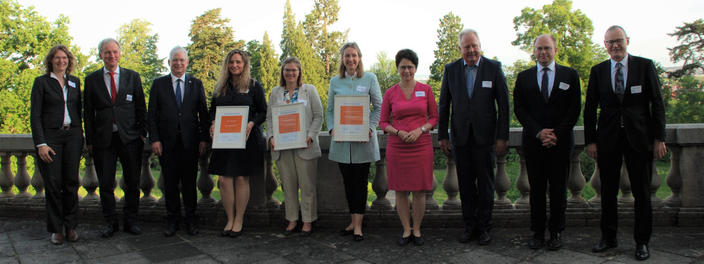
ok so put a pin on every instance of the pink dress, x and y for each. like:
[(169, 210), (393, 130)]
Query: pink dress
[(409, 165)]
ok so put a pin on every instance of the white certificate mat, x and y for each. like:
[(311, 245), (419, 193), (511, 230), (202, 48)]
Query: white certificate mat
[(289, 126), (351, 118), (230, 127)]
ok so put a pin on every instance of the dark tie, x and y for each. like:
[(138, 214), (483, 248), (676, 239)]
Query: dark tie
[(113, 87), (544, 83), (178, 93), (470, 79), (618, 83)]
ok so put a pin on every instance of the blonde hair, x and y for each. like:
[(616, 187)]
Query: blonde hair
[(50, 56), (360, 68), (243, 79), (294, 60)]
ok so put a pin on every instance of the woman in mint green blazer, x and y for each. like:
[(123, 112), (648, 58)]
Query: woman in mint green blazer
[(354, 158)]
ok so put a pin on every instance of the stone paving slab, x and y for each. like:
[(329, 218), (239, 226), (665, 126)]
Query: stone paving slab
[(26, 241)]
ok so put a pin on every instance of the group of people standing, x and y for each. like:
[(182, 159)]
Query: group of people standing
[(473, 102)]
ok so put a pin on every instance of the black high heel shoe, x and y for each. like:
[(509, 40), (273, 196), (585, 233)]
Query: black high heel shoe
[(234, 234)]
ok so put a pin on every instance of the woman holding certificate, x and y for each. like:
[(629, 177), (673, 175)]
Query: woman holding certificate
[(235, 88), (297, 166), (408, 113), (354, 156)]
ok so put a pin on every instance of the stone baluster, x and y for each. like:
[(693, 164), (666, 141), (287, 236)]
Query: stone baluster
[(6, 177), (655, 183), (22, 179), (522, 183), (146, 179), (205, 182), (37, 181), (576, 181), (626, 197), (271, 182), (380, 186), (451, 186), (430, 202), (502, 183), (595, 182), (674, 177), (90, 179)]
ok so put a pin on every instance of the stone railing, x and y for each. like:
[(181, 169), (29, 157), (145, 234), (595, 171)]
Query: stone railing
[(685, 179)]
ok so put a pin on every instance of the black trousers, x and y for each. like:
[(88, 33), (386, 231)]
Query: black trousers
[(547, 167), (179, 165), (61, 178), (355, 177), (639, 165), (475, 176), (130, 155)]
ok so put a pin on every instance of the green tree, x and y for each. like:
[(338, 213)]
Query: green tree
[(139, 52), (688, 103), (385, 71), (267, 65), (572, 29), (325, 43), (690, 50), (211, 40), (447, 49), (252, 47)]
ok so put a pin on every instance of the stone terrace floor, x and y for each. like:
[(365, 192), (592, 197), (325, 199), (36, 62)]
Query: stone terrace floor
[(26, 241)]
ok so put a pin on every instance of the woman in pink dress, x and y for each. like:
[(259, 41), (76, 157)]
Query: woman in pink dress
[(408, 113)]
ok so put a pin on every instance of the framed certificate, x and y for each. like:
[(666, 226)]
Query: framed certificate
[(351, 118), (290, 131), (230, 127)]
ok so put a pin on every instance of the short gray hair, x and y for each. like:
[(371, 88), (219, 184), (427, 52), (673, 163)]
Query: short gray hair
[(615, 27), (105, 42), (465, 32), (177, 49)]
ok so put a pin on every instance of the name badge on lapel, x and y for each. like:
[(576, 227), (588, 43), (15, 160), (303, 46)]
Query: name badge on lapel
[(420, 94), (486, 84), (636, 89), (128, 98), (72, 84), (564, 86)]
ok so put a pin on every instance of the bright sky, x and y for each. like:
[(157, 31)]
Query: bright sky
[(377, 25)]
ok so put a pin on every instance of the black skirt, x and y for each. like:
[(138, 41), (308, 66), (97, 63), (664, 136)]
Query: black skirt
[(240, 162)]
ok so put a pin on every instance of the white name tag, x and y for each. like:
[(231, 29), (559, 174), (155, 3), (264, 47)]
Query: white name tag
[(564, 86), (128, 98), (636, 89), (486, 84), (303, 101), (72, 84), (420, 94), (362, 89)]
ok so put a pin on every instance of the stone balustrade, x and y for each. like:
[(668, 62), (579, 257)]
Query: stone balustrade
[(685, 179)]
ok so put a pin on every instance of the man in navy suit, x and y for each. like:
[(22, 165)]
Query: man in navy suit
[(630, 127), (547, 103), (475, 95), (178, 132), (115, 127)]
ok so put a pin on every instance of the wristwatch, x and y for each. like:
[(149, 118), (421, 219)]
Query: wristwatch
[(422, 128)]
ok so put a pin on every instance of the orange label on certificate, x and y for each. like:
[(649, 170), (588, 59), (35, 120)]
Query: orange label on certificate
[(289, 123), (351, 115), (231, 124)]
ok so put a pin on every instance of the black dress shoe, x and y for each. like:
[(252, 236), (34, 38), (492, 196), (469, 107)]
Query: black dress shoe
[(555, 241), (418, 240), (171, 230), (357, 238), (345, 232), (109, 230), (133, 229), (484, 238), (642, 252), (402, 241), (603, 245), (536, 243), (191, 229)]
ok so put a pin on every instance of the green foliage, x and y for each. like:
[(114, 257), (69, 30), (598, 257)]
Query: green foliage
[(139, 53), (265, 66), (447, 49), (572, 30), (687, 105), (211, 40), (325, 43), (690, 50), (511, 75), (385, 71)]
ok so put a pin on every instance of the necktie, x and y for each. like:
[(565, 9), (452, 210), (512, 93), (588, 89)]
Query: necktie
[(470, 79), (178, 93), (544, 83), (618, 82), (113, 87)]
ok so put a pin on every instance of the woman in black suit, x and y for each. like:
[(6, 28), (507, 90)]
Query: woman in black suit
[(58, 136)]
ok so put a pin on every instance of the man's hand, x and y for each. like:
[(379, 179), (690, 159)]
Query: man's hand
[(156, 148), (591, 150), (202, 147), (547, 137), (44, 154), (659, 150), (445, 146), (500, 147)]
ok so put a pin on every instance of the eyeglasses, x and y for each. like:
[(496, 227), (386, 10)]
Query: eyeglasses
[(614, 41), (406, 68)]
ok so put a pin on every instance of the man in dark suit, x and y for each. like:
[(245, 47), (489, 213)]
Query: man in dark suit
[(178, 131), (473, 88), (631, 126), (115, 125), (547, 103)]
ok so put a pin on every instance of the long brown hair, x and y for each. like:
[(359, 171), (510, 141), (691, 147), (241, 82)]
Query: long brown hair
[(243, 80), (50, 56)]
